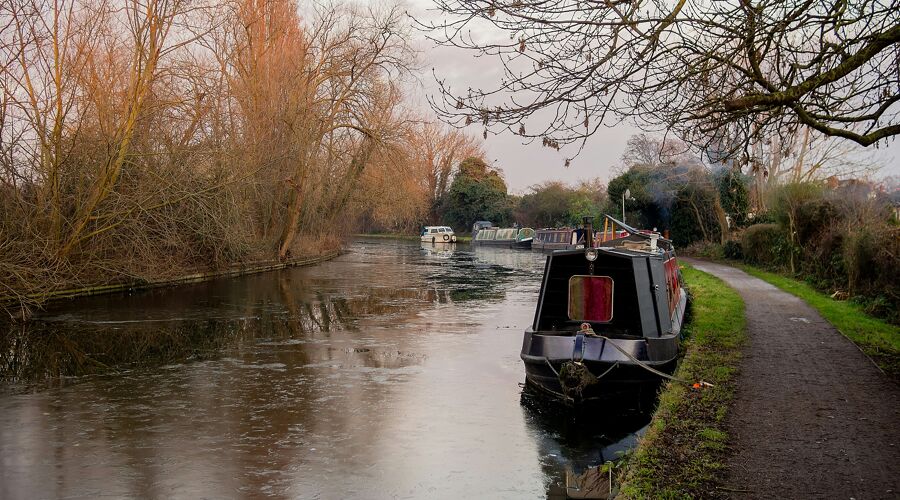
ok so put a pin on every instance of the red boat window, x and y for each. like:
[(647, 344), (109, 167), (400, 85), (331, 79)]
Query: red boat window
[(591, 298)]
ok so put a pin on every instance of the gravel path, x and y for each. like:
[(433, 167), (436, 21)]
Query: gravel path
[(813, 417)]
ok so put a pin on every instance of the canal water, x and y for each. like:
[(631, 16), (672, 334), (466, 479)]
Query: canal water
[(392, 371)]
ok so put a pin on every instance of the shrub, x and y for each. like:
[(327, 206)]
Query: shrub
[(704, 250), (824, 261), (870, 254), (761, 244), (694, 215), (735, 196), (732, 249), (813, 217)]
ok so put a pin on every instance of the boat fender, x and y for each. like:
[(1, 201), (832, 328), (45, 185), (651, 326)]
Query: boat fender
[(574, 378), (578, 349), (446, 237)]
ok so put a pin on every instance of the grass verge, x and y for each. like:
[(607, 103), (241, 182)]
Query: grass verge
[(879, 339), (682, 453)]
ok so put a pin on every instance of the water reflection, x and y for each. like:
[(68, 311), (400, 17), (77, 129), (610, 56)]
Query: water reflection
[(108, 333), (387, 373), (438, 250), (580, 442)]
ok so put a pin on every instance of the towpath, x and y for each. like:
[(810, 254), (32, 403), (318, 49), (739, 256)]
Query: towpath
[(812, 417)]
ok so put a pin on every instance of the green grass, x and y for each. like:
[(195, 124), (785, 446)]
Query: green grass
[(879, 339), (682, 453)]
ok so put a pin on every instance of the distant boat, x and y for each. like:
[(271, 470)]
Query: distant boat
[(438, 234), (608, 318), (510, 237), (551, 239), (548, 240)]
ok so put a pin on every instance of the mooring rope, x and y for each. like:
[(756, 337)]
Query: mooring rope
[(648, 367), (587, 330)]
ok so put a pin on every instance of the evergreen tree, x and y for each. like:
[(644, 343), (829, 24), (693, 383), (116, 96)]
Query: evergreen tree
[(478, 192)]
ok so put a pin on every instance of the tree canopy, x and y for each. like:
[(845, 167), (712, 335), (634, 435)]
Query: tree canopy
[(721, 75), (478, 192), (553, 204)]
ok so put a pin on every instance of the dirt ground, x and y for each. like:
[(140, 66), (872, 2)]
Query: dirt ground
[(813, 416)]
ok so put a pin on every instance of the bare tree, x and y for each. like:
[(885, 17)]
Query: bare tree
[(719, 74), (140, 139), (440, 150)]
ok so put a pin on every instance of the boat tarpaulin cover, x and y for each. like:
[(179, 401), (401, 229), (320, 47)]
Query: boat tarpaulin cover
[(591, 298)]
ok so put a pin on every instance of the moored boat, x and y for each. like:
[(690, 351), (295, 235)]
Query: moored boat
[(511, 237), (438, 234), (608, 318), (548, 240)]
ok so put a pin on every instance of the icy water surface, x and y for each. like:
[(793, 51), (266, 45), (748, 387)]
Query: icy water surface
[(390, 372)]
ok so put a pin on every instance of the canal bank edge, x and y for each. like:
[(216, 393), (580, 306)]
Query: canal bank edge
[(232, 271), (683, 453)]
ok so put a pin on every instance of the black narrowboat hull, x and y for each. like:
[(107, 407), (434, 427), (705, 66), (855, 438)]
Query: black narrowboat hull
[(615, 373), (622, 384)]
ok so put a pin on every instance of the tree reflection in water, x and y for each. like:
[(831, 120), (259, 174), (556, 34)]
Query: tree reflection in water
[(98, 335)]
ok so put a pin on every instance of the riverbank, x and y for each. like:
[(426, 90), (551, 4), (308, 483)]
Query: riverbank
[(684, 450), (239, 269), (878, 339)]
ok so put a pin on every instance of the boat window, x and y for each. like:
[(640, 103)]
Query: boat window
[(433, 231), (591, 298)]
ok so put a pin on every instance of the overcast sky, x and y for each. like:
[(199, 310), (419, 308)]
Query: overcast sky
[(527, 165)]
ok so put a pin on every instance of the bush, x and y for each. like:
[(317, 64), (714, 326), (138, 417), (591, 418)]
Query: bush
[(823, 259), (733, 250), (761, 244), (694, 217), (704, 250), (870, 255)]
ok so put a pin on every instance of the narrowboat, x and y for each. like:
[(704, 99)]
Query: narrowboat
[(548, 240), (551, 239), (608, 318), (504, 237)]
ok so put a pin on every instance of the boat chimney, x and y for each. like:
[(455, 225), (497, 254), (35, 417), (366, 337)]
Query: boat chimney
[(588, 223)]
